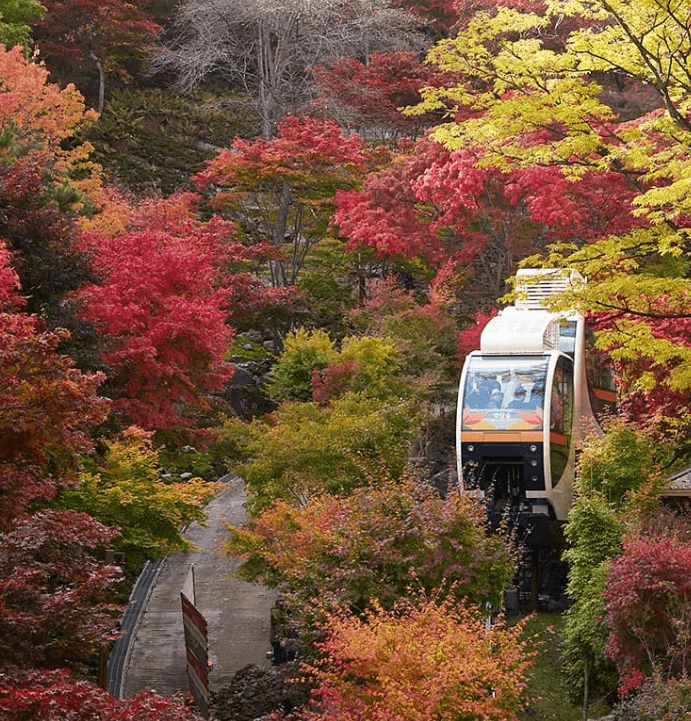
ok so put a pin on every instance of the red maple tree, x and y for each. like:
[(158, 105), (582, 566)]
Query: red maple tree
[(46, 406), (648, 599), (55, 609), (369, 97), (56, 696), (160, 309)]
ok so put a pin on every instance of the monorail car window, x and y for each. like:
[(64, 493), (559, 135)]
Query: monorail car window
[(567, 337), (504, 392), (602, 389), (561, 417)]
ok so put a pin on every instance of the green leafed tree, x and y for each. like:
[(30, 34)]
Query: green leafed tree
[(305, 449), (617, 482), (15, 16), (125, 489), (303, 353), (595, 536)]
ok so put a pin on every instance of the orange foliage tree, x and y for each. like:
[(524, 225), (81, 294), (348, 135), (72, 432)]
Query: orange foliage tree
[(373, 546), (36, 117), (433, 661)]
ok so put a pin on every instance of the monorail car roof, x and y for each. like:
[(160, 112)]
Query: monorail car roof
[(519, 331)]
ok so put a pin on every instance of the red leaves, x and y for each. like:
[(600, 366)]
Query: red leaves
[(308, 153), (56, 696), (649, 610), (599, 204), (9, 282), (46, 407), (469, 339), (160, 311), (332, 381), (73, 30), (371, 96), (54, 596), (433, 205)]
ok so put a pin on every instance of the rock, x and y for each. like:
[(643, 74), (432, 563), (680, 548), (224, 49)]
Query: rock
[(255, 691), (254, 336)]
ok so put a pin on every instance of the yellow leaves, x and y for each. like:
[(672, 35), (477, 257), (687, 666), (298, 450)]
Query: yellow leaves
[(670, 201), (644, 39), (590, 10)]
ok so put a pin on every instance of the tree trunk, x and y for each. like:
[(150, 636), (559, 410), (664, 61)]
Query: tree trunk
[(101, 83), (586, 678), (278, 268), (263, 61)]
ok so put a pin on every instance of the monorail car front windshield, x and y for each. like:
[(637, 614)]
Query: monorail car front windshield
[(504, 393)]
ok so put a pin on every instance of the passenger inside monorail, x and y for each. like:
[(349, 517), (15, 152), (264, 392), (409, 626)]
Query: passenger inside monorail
[(504, 393)]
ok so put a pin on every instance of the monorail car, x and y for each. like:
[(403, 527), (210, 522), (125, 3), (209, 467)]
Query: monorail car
[(526, 399)]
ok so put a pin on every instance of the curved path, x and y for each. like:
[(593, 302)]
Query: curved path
[(238, 614)]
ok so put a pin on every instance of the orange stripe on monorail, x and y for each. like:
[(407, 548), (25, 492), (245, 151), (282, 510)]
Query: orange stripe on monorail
[(605, 395), (501, 436)]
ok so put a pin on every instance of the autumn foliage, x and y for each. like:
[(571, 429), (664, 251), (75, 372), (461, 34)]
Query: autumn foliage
[(373, 545), (56, 696), (123, 488), (55, 609), (369, 96), (562, 133), (433, 661), (46, 408), (36, 116), (159, 308), (648, 599)]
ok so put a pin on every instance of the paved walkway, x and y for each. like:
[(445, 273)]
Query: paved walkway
[(238, 613)]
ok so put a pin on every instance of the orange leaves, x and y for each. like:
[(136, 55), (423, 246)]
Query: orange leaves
[(373, 544), (428, 661), (36, 115)]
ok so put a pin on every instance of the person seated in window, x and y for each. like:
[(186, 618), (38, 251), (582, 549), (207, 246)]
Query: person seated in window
[(519, 399), (474, 399), (495, 399)]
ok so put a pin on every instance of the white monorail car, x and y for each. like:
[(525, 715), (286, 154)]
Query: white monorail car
[(526, 399)]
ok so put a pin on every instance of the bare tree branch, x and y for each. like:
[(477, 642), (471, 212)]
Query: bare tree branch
[(268, 46)]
